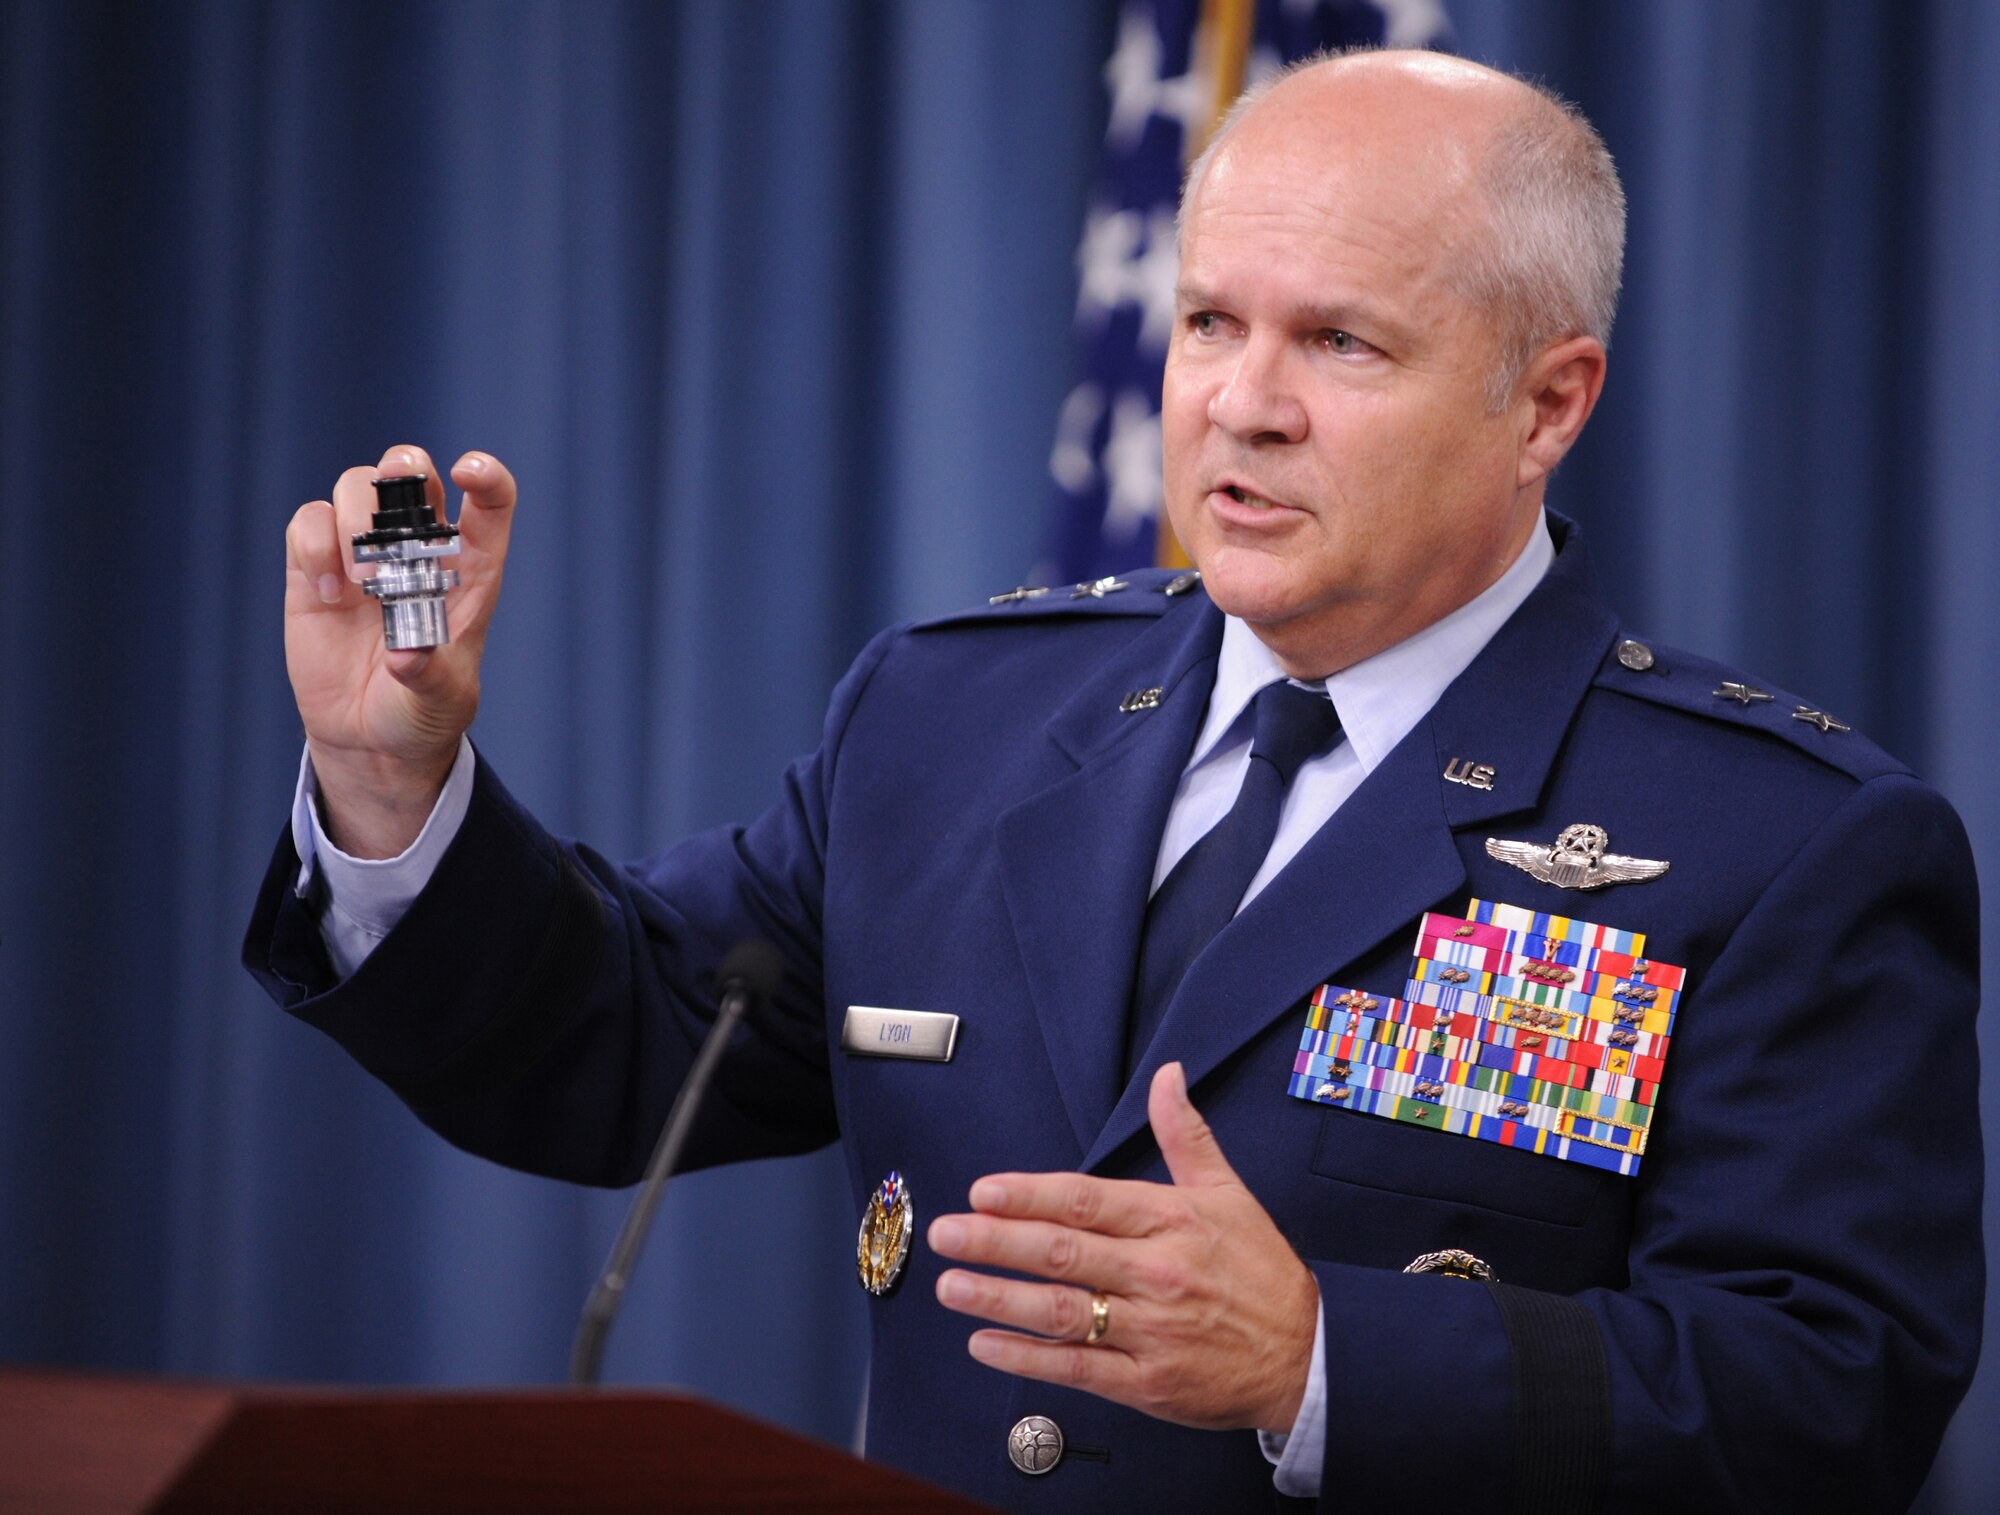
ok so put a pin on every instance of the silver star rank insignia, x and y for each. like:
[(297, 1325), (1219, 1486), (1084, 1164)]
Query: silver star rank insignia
[(1097, 589), (1577, 861)]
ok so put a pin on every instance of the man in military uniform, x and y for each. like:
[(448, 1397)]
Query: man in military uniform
[(1223, 1158)]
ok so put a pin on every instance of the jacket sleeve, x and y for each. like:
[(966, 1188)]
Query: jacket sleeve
[(1803, 1305), (539, 1005)]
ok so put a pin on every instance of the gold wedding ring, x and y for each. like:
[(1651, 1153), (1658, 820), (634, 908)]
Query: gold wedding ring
[(1100, 1319)]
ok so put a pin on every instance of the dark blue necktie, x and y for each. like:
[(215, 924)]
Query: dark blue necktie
[(1200, 896)]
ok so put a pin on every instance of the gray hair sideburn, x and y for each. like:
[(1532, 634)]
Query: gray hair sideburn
[(1554, 254)]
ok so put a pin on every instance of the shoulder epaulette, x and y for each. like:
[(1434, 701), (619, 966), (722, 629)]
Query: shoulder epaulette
[(1702, 687), (1140, 592)]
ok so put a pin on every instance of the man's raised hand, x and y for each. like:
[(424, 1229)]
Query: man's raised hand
[(383, 727)]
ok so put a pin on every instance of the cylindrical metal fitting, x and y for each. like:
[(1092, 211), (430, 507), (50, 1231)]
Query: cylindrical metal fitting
[(415, 623), (412, 592)]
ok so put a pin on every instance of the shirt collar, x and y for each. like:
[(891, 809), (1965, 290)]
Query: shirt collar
[(1382, 697)]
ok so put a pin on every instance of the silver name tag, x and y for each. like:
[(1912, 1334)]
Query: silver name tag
[(926, 1035)]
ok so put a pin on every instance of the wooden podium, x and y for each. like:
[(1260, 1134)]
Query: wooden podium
[(77, 1445)]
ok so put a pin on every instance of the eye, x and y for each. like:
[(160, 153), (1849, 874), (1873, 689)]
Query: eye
[(1204, 323), (1342, 342)]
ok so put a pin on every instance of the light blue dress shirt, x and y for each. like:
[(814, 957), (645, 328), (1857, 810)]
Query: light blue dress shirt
[(1379, 700)]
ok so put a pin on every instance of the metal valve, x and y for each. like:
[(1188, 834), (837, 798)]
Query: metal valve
[(405, 543)]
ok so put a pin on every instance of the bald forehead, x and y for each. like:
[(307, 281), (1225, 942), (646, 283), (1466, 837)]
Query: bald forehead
[(1405, 130), (1446, 95), (1417, 109)]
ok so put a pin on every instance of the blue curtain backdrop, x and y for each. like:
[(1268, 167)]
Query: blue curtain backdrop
[(767, 305)]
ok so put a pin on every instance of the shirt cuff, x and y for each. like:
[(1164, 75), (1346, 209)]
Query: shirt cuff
[(1299, 1454), (365, 897)]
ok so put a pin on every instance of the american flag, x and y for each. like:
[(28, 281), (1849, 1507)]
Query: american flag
[(1174, 69)]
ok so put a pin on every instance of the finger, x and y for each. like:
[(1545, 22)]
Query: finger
[(315, 575), (353, 511), (1101, 1370), (406, 459), (1108, 1206), (1033, 1246), (1193, 1155), (417, 669), (1060, 1311), (487, 518)]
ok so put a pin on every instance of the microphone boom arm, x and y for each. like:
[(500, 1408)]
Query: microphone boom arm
[(750, 971)]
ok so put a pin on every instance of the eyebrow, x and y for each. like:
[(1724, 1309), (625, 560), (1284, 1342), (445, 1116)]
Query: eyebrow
[(1338, 315)]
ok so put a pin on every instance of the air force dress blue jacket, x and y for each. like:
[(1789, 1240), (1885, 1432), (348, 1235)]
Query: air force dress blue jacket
[(1779, 1310)]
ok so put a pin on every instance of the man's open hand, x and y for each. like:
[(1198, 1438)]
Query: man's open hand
[(384, 726), (1211, 1314)]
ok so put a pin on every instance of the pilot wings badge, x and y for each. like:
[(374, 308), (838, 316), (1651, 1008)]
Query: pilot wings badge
[(1577, 861)]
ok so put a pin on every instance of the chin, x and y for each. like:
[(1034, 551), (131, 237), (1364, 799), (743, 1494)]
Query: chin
[(1253, 586)]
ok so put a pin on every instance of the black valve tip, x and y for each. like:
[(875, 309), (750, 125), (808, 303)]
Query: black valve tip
[(403, 512), (400, 498)]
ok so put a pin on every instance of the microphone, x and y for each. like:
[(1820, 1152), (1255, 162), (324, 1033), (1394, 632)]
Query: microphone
[(750, 972)]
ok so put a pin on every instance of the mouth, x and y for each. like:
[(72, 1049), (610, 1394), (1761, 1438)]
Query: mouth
[(1247, 504)]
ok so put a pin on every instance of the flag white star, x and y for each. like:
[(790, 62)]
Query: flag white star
[(1412, 23), (1138, 89), (1070, 460), (1264, 61), (1110, 241), (1131, 467), (1405, 23), (1151, 279), (1125, 259), (1188, 98), (1132, 76)]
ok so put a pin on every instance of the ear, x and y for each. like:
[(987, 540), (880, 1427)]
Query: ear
[(1561, 386)]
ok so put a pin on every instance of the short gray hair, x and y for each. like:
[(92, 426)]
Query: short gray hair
[(1554, 256)]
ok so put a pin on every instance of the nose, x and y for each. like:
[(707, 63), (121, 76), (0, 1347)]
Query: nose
[(1256, 403)]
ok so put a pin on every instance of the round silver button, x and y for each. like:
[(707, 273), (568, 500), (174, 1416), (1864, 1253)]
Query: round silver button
[(1035, 1444), (1636, 656)]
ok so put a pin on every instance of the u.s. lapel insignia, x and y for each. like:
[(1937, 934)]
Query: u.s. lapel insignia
[(884, 1242), (1473, 775), (1141, 699), (1577, 861)]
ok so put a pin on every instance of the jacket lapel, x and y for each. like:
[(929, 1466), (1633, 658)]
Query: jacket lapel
[(1390, 852), (1077, 858), (1384, 856)]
